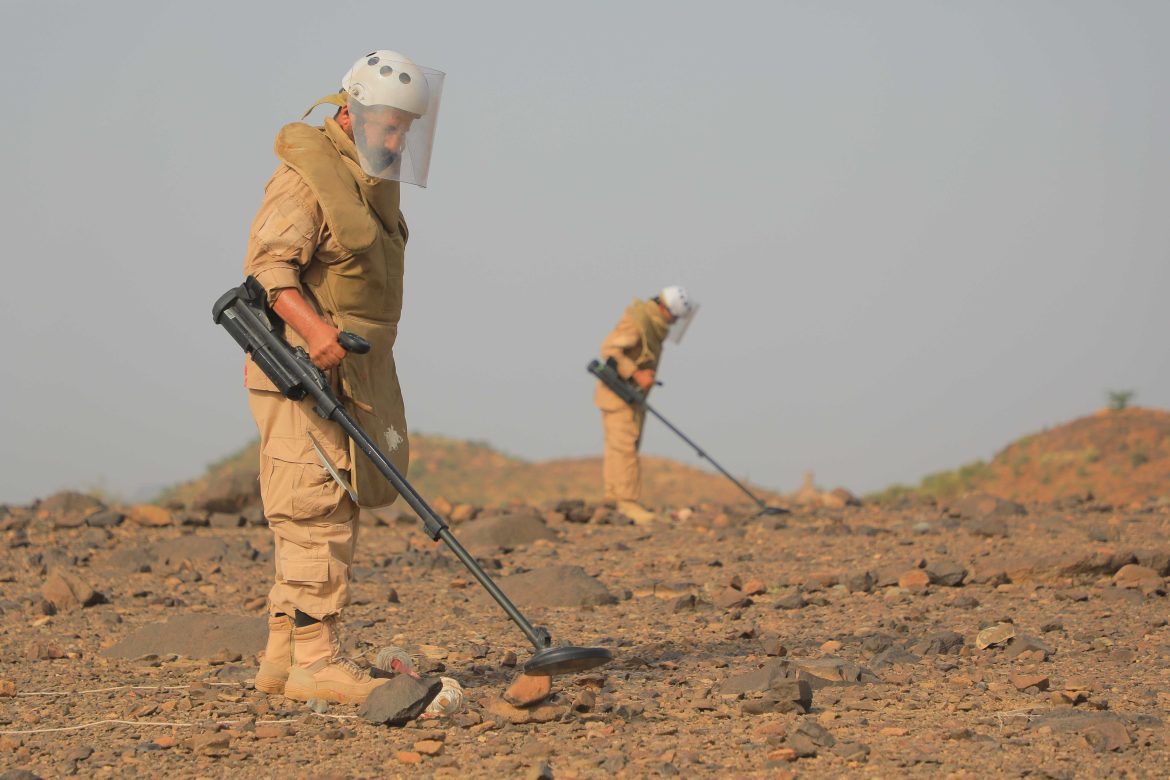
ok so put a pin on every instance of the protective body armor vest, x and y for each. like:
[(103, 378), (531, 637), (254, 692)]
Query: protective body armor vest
[(360, 292)]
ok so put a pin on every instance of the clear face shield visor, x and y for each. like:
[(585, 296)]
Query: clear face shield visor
[(678, 328), (394, 128)]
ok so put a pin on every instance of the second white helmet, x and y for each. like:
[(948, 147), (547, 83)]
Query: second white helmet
[(387, 78), (675, 299)]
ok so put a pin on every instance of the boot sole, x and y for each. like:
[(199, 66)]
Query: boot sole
[(334, 697)]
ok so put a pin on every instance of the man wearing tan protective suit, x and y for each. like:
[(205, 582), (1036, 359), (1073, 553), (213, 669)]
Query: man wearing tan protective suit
[(328, 245), (636, 346)]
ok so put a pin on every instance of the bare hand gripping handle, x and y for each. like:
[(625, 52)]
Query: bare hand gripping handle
[(244, 313)]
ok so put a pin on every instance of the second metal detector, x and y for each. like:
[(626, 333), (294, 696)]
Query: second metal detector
[(607, 373)]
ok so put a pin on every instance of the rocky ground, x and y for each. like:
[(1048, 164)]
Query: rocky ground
[(979, 638)]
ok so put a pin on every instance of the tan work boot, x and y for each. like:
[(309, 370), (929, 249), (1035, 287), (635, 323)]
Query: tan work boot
[(636, 512), (320, 672), (277, 658)]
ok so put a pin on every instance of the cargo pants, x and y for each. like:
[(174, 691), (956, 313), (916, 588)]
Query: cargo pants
[(312, 517), (621, 471)]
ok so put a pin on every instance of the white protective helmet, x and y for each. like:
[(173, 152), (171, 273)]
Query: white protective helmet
[(681, 307), (387, 78), (396, 150)]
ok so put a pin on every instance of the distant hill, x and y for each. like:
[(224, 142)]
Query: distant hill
[(1118, 456), (475, 473)]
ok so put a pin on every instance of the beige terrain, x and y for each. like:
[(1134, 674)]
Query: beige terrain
[(911, 637)]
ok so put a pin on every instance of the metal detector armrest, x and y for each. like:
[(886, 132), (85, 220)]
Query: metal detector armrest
[(609, 376)]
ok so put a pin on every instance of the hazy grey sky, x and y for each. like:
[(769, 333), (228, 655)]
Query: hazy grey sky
[(918, 230)]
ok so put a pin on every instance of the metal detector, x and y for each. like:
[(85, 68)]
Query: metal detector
[(608, 374), (244, 313)]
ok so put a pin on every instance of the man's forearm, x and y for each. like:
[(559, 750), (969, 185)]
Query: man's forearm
[(319, 335)]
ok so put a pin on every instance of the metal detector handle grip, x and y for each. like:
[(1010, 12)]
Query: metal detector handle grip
[(608, 374), (352, 342)]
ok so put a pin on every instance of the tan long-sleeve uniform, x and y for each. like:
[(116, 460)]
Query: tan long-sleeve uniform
[(635, 344), (337, 236)]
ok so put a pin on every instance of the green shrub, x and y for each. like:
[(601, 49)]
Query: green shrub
[(1119, 399)]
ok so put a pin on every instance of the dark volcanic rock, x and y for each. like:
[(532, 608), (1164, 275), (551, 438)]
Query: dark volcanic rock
[(556, 586), (195, 548), (231, 492), (983, 505), (1103, 731), (948, 573), (66, 591), (70, 501), (105, 518), (939, 643), (400, 700), (198, 635), (504, 532)]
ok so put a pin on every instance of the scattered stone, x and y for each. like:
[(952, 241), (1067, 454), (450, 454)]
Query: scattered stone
[(212, 741), (150, 515), (505, 532), (528, 690), (990, 527), (754, 587), (275, 731), (541, 713), (105, 518), (731, 599), (985, 505), (894, 655), (195, 635), (837, 670), (1023, 682), (859, 581), (791, 600), (225, 520), (851, 751), (915, 579), (783, 754), (809, 737), (555, 586), (403, 698), (1028, 648), (947, 573), (938, 643), (584, 701), (428, 747), (994, 635), (1138, 577), (7, 689), (1103, 732), (66, 591), (463, 513)]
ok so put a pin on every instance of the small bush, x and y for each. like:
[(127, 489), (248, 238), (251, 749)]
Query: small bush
[(1119, 399)]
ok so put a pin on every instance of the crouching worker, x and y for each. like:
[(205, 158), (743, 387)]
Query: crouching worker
[(328, 245)]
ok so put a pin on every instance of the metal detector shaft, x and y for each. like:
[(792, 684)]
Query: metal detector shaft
[(607, 373), (704, 455), (243, 312), (435, 527)]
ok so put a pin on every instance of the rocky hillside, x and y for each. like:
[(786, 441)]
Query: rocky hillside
[(475, 473), (1121, 457)]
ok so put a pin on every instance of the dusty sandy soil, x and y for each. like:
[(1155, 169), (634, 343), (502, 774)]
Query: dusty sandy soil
[(723, 626)]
